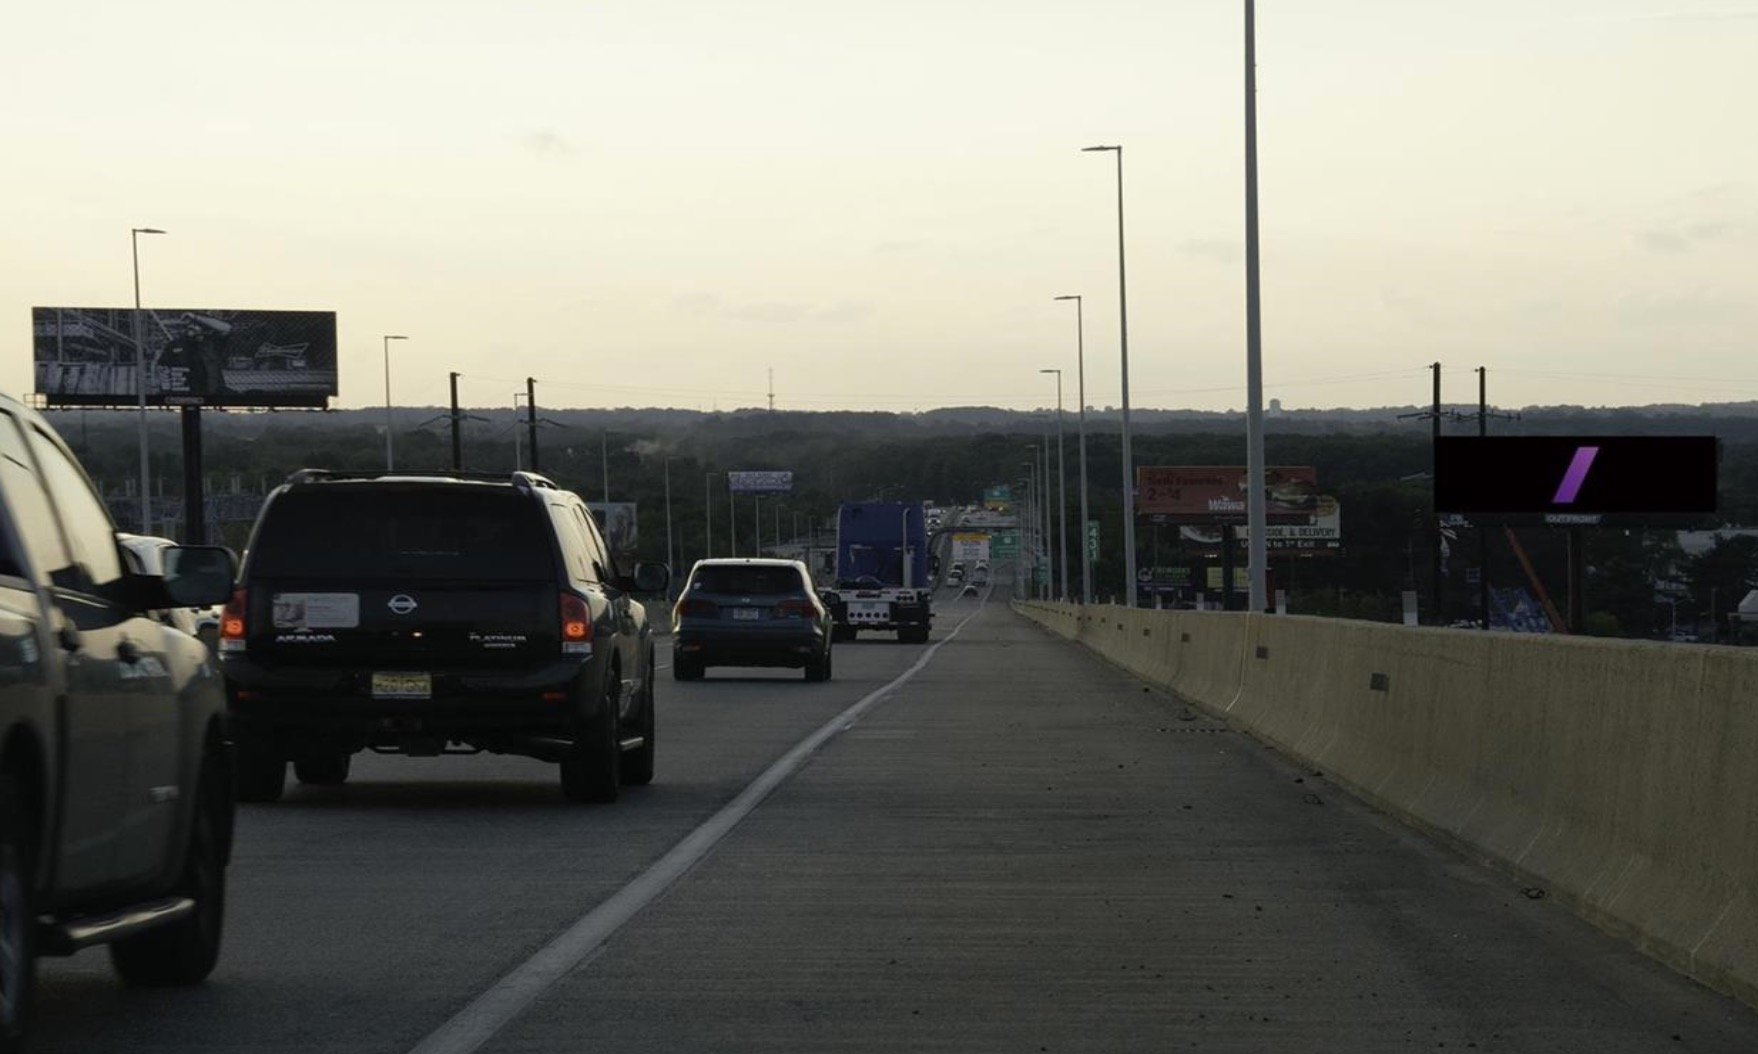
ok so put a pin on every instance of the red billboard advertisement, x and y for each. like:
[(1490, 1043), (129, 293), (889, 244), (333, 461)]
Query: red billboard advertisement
[(1215, 494)]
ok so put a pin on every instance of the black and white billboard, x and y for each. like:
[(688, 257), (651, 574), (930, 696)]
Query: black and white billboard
[(1576, 480), (85, 356)]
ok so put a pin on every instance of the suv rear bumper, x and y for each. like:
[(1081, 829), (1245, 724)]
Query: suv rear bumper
[(733, 645), (308, 709)]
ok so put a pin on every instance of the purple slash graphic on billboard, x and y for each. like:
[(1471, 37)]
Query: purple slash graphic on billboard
[(1570, 488)]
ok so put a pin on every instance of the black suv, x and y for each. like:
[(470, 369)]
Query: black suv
[(428, 614), (115, 803)]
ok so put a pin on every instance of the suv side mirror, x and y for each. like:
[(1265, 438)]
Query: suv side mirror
[(199, 575), (652, 578)]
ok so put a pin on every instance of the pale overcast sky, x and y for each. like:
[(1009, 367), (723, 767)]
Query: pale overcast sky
[(651, 203)]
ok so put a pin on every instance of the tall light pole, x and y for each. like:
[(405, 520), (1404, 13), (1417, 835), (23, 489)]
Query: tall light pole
[(140, 383), (1254, 339), (389, 462), (518, 450), (1061, 485), (1080, 372), (1123, 348)]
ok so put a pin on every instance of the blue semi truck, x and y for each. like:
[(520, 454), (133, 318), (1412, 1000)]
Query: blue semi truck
[(882, 571)]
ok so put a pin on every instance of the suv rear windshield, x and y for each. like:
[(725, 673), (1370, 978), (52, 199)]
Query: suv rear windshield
[(463, 533), (748, 581)]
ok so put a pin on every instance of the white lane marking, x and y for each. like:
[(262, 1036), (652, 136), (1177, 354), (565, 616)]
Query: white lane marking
[(472, 1027)]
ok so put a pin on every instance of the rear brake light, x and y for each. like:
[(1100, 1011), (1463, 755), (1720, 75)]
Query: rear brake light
[(701, 608), (796, 609), (232, 619), (576, 619)]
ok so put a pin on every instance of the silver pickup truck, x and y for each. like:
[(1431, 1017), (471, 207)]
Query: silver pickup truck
[(115, 779)]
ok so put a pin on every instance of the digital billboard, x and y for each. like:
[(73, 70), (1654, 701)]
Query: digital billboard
[(760, 482), (1215, 494), (85, 356), (1576, 480)]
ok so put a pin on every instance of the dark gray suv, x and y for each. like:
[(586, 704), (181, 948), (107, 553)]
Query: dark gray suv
[(428, 614), (750, 612)]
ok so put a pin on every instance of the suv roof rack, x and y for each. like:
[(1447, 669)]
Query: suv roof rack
[(520, 479)]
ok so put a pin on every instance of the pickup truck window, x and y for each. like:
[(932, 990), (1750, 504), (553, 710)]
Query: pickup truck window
[(90, 533), (32, 517)]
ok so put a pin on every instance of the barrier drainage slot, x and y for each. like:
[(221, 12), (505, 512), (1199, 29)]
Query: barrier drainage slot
[(1379, 682), (1184, 638), (1263, 652), (1147, 632)]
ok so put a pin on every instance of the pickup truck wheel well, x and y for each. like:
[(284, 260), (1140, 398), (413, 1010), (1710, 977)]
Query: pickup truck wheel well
[(22, 760)]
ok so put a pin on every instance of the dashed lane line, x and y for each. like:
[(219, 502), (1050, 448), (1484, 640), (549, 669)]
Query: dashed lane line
[(486, 1015)]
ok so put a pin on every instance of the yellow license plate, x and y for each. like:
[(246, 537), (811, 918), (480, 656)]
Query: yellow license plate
[(402, 686)]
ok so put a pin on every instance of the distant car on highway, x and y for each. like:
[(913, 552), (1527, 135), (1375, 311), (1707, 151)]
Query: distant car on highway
[(146, 555), (970, 591), (115, 809), (433, 613), (750, 612)]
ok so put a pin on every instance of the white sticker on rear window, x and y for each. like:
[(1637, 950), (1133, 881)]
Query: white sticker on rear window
[(317, 610)]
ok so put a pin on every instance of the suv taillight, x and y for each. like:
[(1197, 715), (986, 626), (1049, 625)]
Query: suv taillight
[(576, 620), (232, 624), (698, 608), (795, 608)]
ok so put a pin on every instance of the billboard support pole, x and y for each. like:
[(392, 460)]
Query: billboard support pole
[(531, 424), (1440, 589), (1482, 531), (1229, 538), (195, 527), (1577, 574), (457, 435)]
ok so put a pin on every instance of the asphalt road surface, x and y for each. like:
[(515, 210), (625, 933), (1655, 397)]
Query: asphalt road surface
[(1016, 849)]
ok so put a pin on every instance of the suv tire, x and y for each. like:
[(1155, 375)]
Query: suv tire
[(261, 771), (184, 952), (17, 918), (637, 764), (323, 770), (592, 770)]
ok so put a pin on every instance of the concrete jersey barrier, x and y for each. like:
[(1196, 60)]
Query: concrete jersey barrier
[(1622, 776)]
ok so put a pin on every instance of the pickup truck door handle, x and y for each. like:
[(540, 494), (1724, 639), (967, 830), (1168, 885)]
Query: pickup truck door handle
[(128, 652)]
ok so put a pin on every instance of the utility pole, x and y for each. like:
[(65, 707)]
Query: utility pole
[(604, 465), (531, 418), (457, 432), (772, 389)]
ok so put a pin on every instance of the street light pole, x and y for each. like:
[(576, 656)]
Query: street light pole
[(1061, 486), (1256, 513), (140, 383), (1123, 349), (1080, 363), (389, 458)]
